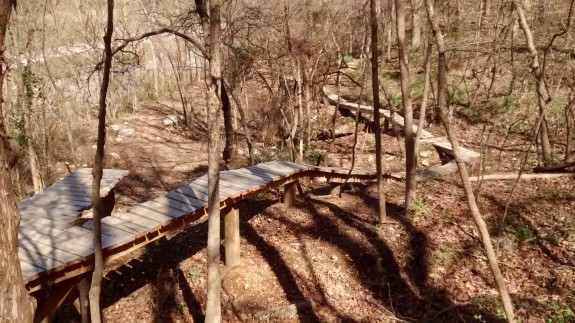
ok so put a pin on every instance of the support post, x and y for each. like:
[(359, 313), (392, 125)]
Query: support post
[(83, 290), (52, 305), (289, 193), (232, 235), (336, 189)]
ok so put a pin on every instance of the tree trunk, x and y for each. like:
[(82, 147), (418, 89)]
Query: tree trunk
[(100, 210), (541, 88), (230, 150), (410, 157), (15, 303), (374, 6), (213, 306), (415, 24), (446, 119)]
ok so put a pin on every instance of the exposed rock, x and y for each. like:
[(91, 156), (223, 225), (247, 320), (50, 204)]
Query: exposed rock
[(122, 129), (425, 153), (290, 311), (171, 120), (425, 162)]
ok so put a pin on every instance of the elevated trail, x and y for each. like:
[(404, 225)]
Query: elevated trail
[(56, 247), (440, 143)]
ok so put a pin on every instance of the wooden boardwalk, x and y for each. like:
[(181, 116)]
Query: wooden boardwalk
[(55, 245), (441, 143)]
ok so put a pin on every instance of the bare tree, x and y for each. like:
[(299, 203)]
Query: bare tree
[(100, 209), (410, 157), (15, 303), (214, 82), (374, 6), (541, 88), (446, 119)]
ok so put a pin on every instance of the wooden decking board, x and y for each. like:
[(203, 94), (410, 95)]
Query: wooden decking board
[(277, 173), (231, 183), (194, 192), (224, 190), (30, 235), (45, 256), (114, 227), (51, 214), (66, 251), (156, 212), (175, 204), (246, 178), (84, 183), (63, 209), (59, 191), (255, 177), (29, 269), (184, 198), (276, 169), (55, 202), (55, 198), (132, 218), (105, 172), (32, 221), (291, 164), (119, 222)]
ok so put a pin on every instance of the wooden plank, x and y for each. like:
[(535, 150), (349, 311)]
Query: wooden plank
[(235, 185), (167, 211), (55, 202), (106, 173), (288, 164), (194, 192), (156, 212), (29, 269), (61, 190), (64, 252), (133, 222), (274, 169), (39, 259), (257, 177), (132, 219), (178, 196), (180, 207), (44, 199), (247, 178), (115, 227), (63, 209), (54, 223), (224, 190)]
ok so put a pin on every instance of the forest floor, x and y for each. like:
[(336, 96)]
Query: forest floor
[(327, 258)]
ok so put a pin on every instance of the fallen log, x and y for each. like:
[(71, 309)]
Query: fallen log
[(554, 168), (513, 176)]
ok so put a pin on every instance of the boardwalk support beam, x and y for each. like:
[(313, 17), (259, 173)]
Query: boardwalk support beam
[(232, 235), (289, 193)]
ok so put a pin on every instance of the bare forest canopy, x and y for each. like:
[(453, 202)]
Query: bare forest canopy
[(278, 55)]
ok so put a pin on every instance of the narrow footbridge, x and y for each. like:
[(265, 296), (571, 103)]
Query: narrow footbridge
[(56, 247)]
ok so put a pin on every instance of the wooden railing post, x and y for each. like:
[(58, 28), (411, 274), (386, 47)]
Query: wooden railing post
[(232, 235), (289, 193)]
